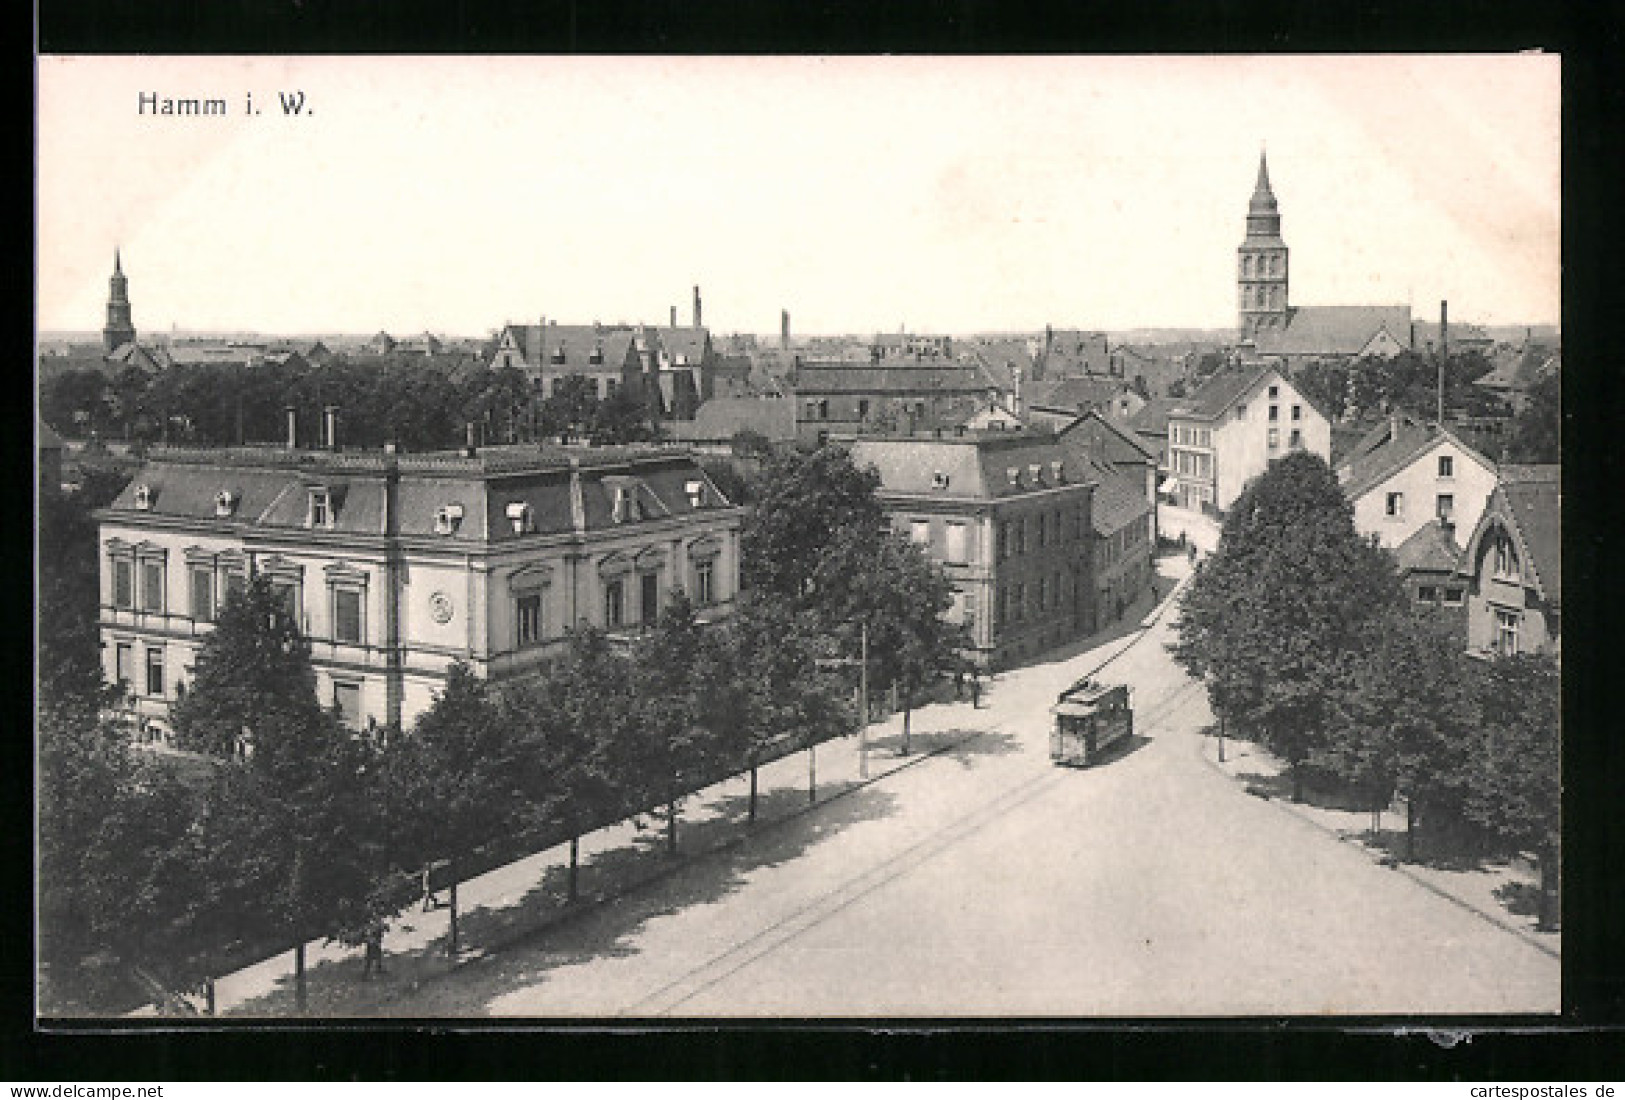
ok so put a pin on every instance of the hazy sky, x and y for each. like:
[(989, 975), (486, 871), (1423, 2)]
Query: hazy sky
[(945, 194)]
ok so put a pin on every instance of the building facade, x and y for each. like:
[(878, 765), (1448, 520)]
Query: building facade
[(1231, 429), (397, 565), (1420, 475), (1008, 515), (1514, 566)]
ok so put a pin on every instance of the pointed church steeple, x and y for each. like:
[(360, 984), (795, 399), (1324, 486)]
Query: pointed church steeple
[(120, 330), (1261, 275)]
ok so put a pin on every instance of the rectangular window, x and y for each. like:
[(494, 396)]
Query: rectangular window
[(1297, 412), (1043, 529), (123, 655), (1452, 597), (1021, 536), (528, 616), (1427, 593), (1001, 545), (152, 586), (614, 603), (958, 543), (1018, 602), (346, 615), (920, 531), (155, 673), (969, 609), (1043, 594), (124, 585), (1447, 466), (235, 583), (650, 598), (1275, 391), (1394, 507), (1275, 439), (705, 583), (1506, 633), (1446, 506), (1296, 439), (1241, 412), (287, 593), (321, 512), (1275, 413), (203, 595), (347, 699)]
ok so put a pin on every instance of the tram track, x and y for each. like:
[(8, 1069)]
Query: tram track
[(723, 965)]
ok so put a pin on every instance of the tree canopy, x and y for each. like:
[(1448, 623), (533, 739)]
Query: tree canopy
[(1282, 602)]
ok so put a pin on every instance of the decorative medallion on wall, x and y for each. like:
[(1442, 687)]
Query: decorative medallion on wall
[(441, 608)]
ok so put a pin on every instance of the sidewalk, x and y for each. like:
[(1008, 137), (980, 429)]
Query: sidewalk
[(527, 896), (1473, 886)]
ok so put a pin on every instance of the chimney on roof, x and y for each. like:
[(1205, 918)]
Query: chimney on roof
[(330, 426), (673, 316), (469, 450), (784, 328), (293, 427), (1444, 354), (696, 307)]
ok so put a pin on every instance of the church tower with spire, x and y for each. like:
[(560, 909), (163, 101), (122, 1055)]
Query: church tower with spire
[(120, 329), (1261, 274)]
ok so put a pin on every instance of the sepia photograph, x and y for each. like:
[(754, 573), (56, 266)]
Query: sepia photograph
[(838, 538)]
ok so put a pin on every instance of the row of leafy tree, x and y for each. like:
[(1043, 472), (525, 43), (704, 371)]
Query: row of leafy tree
[(1300, 631), (290, 826), (419, 406)]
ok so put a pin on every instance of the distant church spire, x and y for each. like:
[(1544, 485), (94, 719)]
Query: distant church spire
[(120, 330), (1261, 264)]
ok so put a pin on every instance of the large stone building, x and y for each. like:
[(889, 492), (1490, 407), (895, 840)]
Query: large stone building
[(397, 565), (1273, 329), (1008, 515)]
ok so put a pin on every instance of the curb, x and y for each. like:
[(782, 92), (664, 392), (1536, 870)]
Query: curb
[(1400, 868), (569, 912)]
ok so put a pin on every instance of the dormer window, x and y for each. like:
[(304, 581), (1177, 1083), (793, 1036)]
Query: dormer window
[(1036, 472), (626, 504), (1014, 474), (521, 518), (321, 508), (225, 502), (939, 480), (696, 492), (143, 497), (447, 519), (1056, 470), (597, 355)]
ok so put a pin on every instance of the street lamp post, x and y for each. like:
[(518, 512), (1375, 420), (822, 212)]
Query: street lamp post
[(863, 702)]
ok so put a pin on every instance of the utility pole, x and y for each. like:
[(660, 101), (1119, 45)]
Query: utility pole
[(863, 701)]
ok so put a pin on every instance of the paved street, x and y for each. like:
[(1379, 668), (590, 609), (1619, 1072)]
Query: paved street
[(986, 881)]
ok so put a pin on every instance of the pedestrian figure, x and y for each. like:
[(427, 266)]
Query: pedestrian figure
[(374, 962), (975, 692)]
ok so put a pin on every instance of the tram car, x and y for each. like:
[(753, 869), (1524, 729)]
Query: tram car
[(1090, 718)]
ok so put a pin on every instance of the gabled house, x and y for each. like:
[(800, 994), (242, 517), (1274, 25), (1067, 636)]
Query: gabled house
[(1232, 428), (1402, 478), (1429, 564), (1513, 564)]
